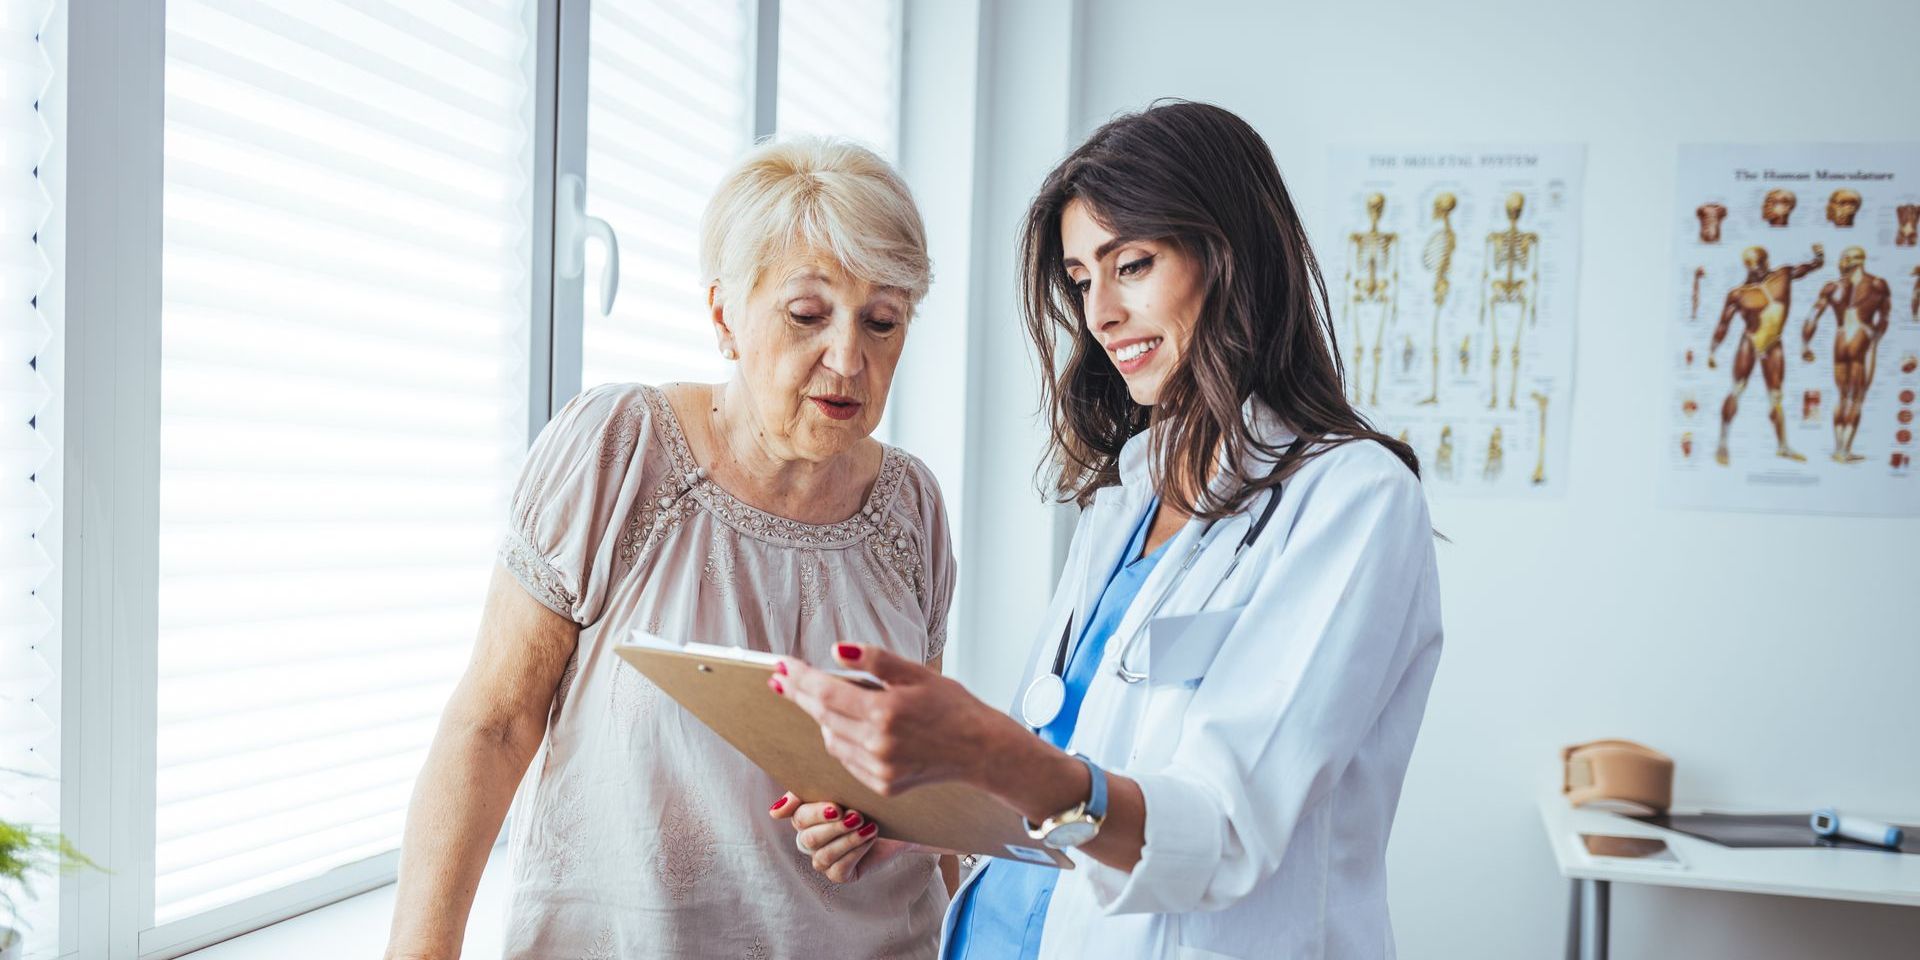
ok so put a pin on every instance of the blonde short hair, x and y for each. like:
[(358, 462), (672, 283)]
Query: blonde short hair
[(821, 193)]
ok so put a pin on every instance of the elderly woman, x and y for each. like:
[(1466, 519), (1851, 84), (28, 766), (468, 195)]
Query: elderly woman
[(758, 513)]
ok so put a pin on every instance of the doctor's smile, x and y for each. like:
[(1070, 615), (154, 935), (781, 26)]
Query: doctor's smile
[(1132, 355)]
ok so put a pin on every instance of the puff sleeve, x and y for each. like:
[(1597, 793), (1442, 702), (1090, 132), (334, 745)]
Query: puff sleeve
[(941, 569), (581, 485)]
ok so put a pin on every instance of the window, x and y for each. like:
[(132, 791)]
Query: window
[(354, 324), (840, 70), (667, 113), (348, 220)]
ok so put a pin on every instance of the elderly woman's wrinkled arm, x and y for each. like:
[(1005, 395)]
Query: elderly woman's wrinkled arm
[(492, 725)]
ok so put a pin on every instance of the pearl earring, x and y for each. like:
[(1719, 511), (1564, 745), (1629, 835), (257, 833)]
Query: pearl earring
[(730, 354)]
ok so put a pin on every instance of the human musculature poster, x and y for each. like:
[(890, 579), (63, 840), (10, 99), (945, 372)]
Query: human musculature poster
[(1452, 274), (1794, 329)]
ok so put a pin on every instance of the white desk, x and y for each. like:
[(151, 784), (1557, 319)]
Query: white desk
[(1866, 876)]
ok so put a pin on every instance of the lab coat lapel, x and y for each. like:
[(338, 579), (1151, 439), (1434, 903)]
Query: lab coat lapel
[(1200, 579), (1211, 564), (1150, 590), (1112, 513), (1079, 588)]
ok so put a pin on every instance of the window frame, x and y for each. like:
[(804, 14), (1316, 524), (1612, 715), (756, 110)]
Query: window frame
[(116, 60), (566, 322)]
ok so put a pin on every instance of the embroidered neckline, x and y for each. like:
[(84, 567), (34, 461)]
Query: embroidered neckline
[(758, 523)]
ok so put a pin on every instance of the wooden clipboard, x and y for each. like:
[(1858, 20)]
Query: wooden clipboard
[(727, 691)]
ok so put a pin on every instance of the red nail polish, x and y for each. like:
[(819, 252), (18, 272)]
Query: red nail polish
[(773, 683), (832, 813), (846, 651), (780, 668), (777, 804), (851, 820), (869, 829)]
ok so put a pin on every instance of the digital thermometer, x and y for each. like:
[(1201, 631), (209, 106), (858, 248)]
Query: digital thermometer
[(1827, 823)]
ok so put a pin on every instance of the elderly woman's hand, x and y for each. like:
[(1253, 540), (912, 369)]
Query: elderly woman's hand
[(922, 728), (842, 843)]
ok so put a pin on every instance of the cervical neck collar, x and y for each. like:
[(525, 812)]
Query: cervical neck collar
[(1617, 770)]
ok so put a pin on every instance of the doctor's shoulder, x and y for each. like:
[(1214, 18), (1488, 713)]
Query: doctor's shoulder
[(1357, 474)]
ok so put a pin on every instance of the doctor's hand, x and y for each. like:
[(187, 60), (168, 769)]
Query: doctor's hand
[(922, 728)]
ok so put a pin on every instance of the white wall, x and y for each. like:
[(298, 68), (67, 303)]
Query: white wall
[(939, 139), (1602, 614), (967, 393)]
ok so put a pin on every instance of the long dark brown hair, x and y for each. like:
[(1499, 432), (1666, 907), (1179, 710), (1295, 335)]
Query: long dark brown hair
[(1198, 177)]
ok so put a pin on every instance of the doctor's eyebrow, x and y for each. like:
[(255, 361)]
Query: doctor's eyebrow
[(1100, 252)]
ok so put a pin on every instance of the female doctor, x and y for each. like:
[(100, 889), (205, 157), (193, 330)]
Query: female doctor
[(1221, 699)]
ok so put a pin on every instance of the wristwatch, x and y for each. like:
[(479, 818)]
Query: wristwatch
[(1073, 827)]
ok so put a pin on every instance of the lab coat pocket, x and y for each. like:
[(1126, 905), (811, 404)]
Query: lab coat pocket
[(1180, 651)]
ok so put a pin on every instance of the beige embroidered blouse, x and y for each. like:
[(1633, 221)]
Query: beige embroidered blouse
[(639, 833)]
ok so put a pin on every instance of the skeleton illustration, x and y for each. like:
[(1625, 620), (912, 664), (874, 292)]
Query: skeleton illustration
[(1540, 464), (1438, 259), (1371, 254), (1510, 252)]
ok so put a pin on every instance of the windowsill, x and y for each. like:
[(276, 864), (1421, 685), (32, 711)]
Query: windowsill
[(357, 927)]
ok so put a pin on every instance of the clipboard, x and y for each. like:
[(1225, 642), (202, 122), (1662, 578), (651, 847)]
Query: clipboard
[(726, 688)]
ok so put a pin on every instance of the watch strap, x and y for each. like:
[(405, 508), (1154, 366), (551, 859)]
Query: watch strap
[(1097, 796)]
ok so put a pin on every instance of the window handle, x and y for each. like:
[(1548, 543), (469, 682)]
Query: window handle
[(572, 229)]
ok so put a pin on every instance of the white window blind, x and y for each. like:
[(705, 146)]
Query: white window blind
[(346, 281), (29, 644), (667, 105), (840, 71)]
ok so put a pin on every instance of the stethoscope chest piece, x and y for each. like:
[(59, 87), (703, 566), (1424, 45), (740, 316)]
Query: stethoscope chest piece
[(1044, 699)]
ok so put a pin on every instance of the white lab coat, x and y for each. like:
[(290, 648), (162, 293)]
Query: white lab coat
[(1272, 738)]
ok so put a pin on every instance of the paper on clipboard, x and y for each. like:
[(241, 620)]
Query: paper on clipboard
[(726, 689), (743, 655)]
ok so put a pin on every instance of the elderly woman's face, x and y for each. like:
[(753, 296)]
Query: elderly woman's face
[(817, 351)]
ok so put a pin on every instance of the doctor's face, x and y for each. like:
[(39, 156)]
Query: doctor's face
[(1140, 298)]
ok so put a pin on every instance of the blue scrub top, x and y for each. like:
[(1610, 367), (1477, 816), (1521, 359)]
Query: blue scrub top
[(1001, 914)]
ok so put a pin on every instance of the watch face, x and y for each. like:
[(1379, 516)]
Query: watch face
[(1070, 834)]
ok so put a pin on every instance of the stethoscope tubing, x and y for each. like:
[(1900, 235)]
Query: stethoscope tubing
[(1053, 683)]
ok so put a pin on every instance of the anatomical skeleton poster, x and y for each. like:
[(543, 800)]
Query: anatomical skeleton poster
[(1453, 276), (1794, 329)]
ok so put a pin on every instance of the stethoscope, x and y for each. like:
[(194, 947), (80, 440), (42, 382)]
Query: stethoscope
[(1047, 694)]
